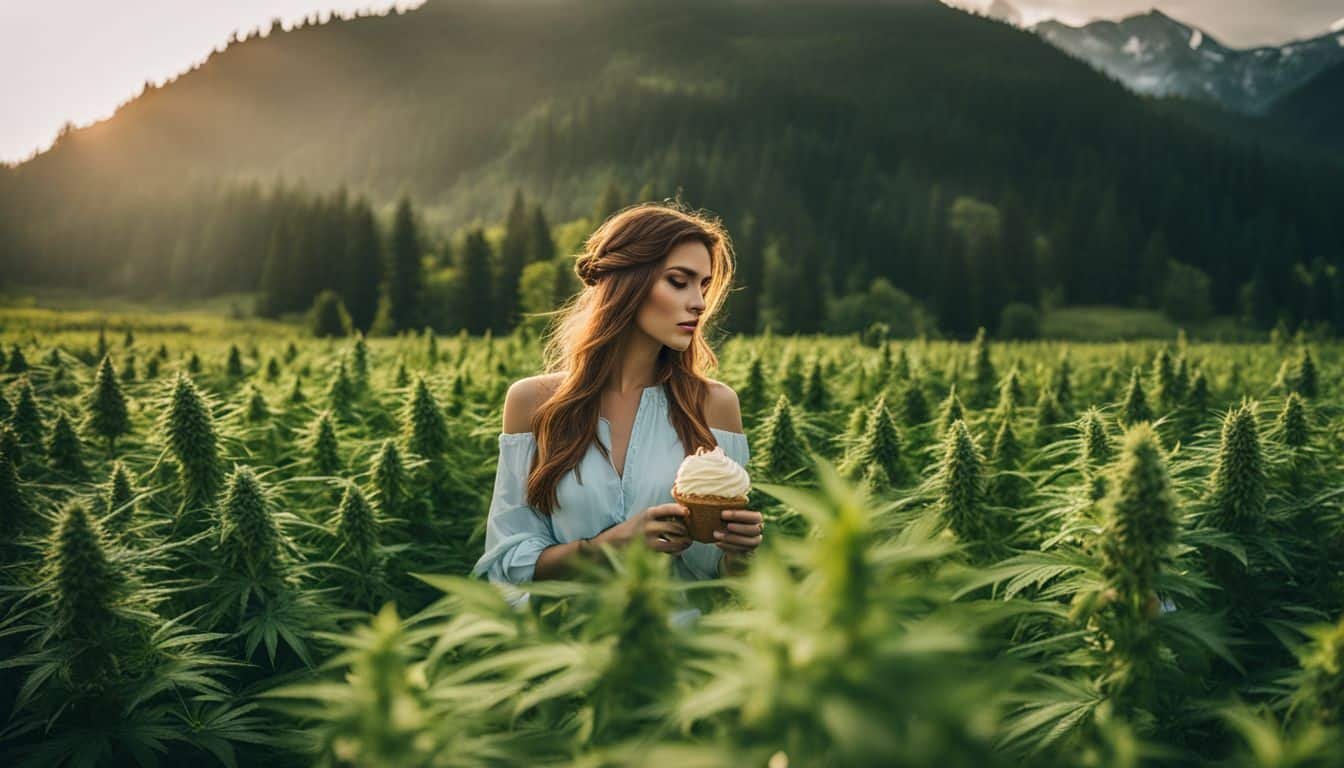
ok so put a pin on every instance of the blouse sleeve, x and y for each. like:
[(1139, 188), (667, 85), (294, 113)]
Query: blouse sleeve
[(515, 533), (701, 559)]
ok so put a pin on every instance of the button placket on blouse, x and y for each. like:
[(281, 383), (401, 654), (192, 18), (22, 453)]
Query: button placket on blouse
[(631, 447)]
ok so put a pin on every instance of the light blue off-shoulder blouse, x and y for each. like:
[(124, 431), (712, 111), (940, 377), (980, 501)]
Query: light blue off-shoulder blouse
[(516, 533)]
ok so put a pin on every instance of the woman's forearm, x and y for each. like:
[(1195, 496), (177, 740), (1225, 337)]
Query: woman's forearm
[(558, 560)]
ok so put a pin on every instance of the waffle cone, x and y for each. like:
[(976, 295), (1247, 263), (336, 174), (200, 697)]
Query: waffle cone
[(706, 512)]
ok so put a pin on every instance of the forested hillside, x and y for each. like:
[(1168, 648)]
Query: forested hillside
[(968, 163)]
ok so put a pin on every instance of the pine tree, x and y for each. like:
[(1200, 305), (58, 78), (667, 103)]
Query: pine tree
[(608, 202), (405, 278), (272, 369), (105, 406), (363, 271), (513, 252), (476, 280), (328, 317)]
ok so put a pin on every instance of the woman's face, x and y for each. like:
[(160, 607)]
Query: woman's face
[(677, 296)]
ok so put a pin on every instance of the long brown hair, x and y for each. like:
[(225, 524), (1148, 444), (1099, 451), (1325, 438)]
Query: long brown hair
[(619, 267)]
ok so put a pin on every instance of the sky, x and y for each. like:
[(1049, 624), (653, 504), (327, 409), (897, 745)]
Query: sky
[(78, 60), (1235, 23)]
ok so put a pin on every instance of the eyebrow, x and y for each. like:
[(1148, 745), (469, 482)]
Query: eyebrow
[(688, 271)]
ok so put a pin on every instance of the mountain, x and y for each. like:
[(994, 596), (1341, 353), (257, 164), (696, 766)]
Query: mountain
[(969, 163), (1155, 54), (1316, 109)]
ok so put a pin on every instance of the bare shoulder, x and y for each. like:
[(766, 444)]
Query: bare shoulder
[(722, 409), (525, 396)]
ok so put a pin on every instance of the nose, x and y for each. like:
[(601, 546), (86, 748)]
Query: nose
[(697, 302)]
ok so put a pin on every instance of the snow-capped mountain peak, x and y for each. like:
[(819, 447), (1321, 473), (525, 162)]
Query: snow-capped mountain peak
[(1156, 54)]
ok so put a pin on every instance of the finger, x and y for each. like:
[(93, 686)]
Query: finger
[(738, 540), (663, 545), (742, 516), (734, 548), (667, 528), (745, 529), (669, 511)]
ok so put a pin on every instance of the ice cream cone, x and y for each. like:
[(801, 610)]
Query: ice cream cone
[(706, 513)]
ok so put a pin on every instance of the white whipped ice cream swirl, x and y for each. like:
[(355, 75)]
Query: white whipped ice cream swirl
[(712, 473)]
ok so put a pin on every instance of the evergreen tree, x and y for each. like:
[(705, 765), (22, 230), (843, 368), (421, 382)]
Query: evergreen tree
[(608, 202), (513, 252), (476, 280), (405, 278), (328, 317), (363, 267), (541, 246)]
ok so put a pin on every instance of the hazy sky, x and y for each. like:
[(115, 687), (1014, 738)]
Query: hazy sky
[(1235, 23), (79, 59)]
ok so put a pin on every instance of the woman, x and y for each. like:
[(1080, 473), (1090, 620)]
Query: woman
[(589, 450)]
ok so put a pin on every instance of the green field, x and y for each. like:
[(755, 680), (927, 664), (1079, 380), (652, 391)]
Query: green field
[(240, 544)]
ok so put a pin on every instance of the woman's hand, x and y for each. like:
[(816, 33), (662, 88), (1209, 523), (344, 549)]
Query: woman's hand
[(662, 527), (743, 531)]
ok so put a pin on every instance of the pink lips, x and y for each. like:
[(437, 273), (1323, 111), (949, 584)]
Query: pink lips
[(687, 327)]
